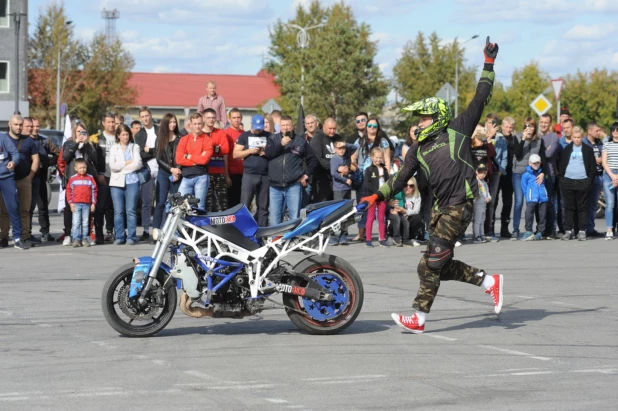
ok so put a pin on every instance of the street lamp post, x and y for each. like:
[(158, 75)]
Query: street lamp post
[(457, 73), (303, 41), (58, 83), (17, 20)]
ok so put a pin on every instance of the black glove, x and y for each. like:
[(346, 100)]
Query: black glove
[(490, 51)]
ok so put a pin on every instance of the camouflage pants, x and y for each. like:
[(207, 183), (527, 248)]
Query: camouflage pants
[(216, 199), (448, 224)]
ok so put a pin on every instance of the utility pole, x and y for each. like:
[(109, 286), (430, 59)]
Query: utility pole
[(17, 21), (58, 80)]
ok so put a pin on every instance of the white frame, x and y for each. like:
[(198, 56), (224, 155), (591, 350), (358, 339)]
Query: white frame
[(8, 77), (8, 17), (257, 273)]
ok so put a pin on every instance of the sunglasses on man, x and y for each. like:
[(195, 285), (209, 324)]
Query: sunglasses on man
[(362, 120)]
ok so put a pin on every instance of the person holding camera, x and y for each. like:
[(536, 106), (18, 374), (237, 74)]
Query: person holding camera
[(286, 172), (526, 144), (484, 152)]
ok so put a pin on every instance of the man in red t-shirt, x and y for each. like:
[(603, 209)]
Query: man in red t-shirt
[(216, 199), (235, 167)]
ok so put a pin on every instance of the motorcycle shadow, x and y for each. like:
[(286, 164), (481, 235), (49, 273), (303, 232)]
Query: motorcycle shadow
[(259, 325)]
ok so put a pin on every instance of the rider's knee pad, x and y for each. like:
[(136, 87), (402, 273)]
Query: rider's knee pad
[(439, 253)]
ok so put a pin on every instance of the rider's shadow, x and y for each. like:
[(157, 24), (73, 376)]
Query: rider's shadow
[(259, 325), (509, 319)]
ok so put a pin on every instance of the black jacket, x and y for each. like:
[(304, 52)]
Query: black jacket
[(324, 150), (95, 159), (167, 159), (589, 161), (372, 179), (140, 139), (286, 165)]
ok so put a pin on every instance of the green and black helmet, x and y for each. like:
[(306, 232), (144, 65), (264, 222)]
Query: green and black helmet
[(431, 106)]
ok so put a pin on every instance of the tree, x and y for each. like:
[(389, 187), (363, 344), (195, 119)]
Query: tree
[(591, 96), (425, 65), (94, 77), (527, 83), (341, 76)]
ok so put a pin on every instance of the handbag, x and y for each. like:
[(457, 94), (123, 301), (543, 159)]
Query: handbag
[(143, 174)]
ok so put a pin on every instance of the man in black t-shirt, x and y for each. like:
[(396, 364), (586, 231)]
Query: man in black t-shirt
[(250, 147)]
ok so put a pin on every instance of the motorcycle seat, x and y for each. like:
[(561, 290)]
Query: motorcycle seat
[(278, 229), (317, 206), (229, 211)]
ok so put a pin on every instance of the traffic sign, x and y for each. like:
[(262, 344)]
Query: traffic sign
[(540, 105), (447, 93), (270, 106), (557, 85), (63, 109)]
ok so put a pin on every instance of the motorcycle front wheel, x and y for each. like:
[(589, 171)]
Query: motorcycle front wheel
[(126, 316), (327, 317)]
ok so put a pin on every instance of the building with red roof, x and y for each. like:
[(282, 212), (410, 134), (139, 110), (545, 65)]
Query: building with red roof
[(179, 93)]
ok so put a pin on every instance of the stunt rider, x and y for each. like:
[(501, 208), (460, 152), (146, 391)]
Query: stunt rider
[(443, 153)]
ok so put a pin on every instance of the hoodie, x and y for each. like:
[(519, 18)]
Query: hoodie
[(8, 153), (534, 193)]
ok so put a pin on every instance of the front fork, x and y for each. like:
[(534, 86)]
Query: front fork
[(168, 230)]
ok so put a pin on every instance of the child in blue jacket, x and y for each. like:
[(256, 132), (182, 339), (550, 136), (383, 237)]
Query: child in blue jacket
[(536, 199)]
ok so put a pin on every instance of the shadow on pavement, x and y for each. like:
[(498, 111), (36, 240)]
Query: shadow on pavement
[(270, 327), (511, 319)]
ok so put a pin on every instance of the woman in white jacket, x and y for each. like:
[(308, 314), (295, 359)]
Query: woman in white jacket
[(124, 161)]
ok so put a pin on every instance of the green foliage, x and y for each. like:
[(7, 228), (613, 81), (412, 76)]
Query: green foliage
[(340, 74), (591, 96), (424, 66), (94, 77)]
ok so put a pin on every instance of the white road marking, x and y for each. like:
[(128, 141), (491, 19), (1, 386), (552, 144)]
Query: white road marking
[(347, 377), (276, 400), (6, 313), (441, 337), (527, 297), (533, 373), (200, 374), (159, 362), (512, 352)]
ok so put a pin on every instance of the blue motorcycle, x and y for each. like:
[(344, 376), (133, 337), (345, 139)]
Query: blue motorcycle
[(228, 267)]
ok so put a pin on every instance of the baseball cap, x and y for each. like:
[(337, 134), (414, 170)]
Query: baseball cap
[(481, 167), (257, 122), (534, 158)]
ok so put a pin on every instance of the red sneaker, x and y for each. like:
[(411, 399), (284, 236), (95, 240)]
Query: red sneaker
[(496, 292), (408, 323)]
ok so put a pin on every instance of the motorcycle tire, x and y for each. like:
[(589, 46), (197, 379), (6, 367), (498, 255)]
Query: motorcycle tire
[(327, 270), (112, 309)]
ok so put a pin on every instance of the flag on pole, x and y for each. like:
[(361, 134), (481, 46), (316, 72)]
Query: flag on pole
[(300, 124), (68, 130), (68, 133)]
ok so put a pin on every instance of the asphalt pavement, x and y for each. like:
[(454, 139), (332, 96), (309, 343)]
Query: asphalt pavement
[(554, 347)]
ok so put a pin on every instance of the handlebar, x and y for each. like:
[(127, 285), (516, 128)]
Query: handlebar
[(361, 206), (178, 199)]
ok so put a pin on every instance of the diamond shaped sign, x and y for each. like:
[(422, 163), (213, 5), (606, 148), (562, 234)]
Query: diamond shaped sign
[(540, 105)]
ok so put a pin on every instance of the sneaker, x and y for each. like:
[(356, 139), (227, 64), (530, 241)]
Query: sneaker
[(409, 323), (333, 241), (581, 236), (343, 240), (609, 235), (109, 236), (415, 243), (145, 237), (458, 244), (77, 243), (496, 292), (67, 241), (4, 243), (408, 243), (538, 237), (20, 245), (46, 237), (397, 242), (479, 240), (131, 242), (593, 233), (86, 243), (567, 235), (505, 234), (369, 244), (119, 242), (383, 243), (527, 236), (515, 235), (33, 239), (492, 238)]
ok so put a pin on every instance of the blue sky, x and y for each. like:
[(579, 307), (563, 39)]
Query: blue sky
[(231, 36)]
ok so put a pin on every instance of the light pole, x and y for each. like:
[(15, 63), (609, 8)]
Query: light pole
[(58, 83), (17, 20), (303, 41), (457, 73)]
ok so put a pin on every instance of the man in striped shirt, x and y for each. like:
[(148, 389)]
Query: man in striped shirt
[(214, 101)]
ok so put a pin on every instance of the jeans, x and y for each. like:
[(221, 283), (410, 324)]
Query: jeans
[(146, 193), (519, 200), (306, 195), (163, 188), (540, 210), (552, 207), (81, 218), (256, 185), (343, 195), (400, 224), (593, 201), (197, 186), (282, 197), (9, 209), (360, 193), (480, 212), (610, 199), (24, 197), (125, 201)]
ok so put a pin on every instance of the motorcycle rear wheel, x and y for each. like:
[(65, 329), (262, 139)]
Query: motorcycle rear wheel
[(116, 304), (337, 274)]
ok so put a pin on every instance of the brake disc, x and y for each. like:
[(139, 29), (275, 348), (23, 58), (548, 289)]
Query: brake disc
[(130, 309)]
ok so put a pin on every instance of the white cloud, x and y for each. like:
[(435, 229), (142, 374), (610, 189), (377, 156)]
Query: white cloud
[(601, 6), (590, 32)]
